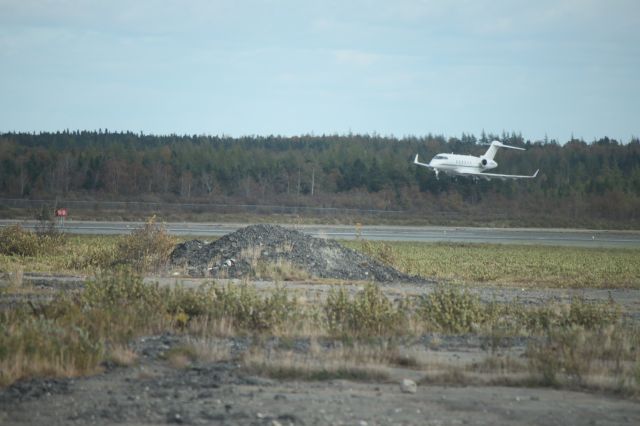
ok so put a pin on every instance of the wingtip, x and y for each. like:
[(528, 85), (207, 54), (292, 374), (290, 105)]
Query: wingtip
[(536, 173)]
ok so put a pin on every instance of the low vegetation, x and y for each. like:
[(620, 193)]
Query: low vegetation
[(17, 241), (511, 265), (145, 249), (363, 335), (576, 344)]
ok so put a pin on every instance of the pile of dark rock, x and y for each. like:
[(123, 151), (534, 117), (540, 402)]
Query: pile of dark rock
[(235, 256)]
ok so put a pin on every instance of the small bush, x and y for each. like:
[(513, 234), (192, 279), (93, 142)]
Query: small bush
[(99, 255), (185, 304), (47, 229), (452, 310), (247, 310), (147, 248), (15, 240), (369, 313), (45, 347), (590, 315), (576, 355), (120, 289), (380, 251)]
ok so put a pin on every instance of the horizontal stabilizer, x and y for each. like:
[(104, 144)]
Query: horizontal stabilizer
[(501, 145), (416, 161)]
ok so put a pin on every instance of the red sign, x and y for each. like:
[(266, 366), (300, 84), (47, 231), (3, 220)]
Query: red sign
[(61, 212)]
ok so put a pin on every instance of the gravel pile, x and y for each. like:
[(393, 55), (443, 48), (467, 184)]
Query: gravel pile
[(235, 255)]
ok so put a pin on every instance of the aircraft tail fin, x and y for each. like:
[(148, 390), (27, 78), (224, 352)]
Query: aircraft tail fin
[(491, 152)]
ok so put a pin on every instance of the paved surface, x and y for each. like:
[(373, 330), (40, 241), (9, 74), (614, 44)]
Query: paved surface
[(564, 237)]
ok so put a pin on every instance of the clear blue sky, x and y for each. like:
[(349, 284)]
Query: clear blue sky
[(402, 67)]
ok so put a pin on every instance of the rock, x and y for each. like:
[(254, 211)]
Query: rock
[(408, 386)]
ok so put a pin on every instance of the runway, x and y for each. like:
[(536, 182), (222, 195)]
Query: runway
[(558, 237)]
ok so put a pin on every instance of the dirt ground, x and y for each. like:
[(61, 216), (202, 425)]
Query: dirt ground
[(218, 394), (151, 391)]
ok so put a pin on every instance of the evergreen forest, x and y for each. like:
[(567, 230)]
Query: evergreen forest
[(580, 184)]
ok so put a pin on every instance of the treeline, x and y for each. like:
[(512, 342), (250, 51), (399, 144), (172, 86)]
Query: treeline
[(583, 184)]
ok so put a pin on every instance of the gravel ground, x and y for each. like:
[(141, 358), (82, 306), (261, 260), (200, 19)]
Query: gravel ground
[(152, 392)]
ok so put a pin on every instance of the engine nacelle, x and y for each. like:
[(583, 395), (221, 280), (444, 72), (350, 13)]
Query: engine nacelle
[(487, 164)]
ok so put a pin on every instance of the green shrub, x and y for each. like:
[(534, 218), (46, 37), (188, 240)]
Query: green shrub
[(380, 251), (452, 310), (98, 255), (590, 315), (368, 314), (122, 288), (249, 311), (191, 302), (15, 240)]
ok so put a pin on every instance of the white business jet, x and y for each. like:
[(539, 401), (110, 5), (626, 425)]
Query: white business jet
[(469, 165)]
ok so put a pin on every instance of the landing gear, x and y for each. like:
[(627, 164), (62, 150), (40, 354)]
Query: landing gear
[(436, 170)]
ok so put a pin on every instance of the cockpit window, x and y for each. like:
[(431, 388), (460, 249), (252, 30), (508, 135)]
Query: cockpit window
[(440, 157)]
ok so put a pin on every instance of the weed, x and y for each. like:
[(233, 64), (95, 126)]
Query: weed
[(369, 313), (247, 310), (208, 350), (98, 254), (450, 309), (280, 270), (15, 240), (181, 356), (577, 356), (16, 278), (45, 347), (147, 248)]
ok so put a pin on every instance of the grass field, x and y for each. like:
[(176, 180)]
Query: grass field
[(512, 265), (473, 264)]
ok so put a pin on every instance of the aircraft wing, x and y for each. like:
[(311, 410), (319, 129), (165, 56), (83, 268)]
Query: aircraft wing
[(489, 176), (416, 161)]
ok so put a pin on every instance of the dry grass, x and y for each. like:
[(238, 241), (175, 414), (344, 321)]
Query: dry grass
[(209, 350), (602, 358), (577, 344), (355, 364), (280, 270), (121, 355)]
